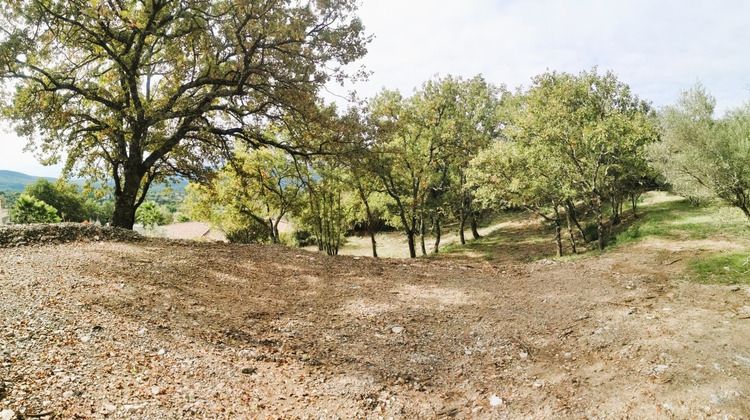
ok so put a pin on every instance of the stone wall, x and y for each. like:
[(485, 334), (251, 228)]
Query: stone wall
[(55, 233)]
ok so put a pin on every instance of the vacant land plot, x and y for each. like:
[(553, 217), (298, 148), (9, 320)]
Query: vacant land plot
[(171, 330)]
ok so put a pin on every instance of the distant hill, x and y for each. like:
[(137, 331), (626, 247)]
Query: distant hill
[(17, 181)]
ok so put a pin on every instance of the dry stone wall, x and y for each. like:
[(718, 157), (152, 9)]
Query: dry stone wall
[(53, 233)]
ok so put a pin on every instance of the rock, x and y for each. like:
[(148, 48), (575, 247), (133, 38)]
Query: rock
[(397, 330), (110, 408), (659, 369), (495, 401), (249, 370), (68, 394), (743, 359), (132, 408), (7, 415)]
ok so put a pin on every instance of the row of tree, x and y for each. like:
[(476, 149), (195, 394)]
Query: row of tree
[(574, 148), (139, 92), (441, 156)]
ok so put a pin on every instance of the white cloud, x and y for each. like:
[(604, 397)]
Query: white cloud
[(659, 48)]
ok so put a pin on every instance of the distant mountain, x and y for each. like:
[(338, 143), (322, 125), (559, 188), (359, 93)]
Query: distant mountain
[(17, 181)]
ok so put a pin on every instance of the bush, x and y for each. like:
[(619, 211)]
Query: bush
[(304, 238), (28, 209), (256, 232)]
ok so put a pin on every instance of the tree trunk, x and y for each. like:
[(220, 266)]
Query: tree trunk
[(572, 211), (599, 223), (558, 231), (275, 232), (570, 232), (126, 200), (474, 228), (422, 232), (461, 227), (438, 234), (374, 242), (412, 245)]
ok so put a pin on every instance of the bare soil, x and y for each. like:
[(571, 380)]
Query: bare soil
[(166, 330)]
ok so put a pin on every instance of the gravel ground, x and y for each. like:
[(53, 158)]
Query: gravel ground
[(175, 330)]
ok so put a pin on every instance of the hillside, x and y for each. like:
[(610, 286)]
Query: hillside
[(17, 181), (159, 329)]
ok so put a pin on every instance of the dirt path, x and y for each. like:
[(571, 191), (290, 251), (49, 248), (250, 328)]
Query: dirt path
[(163, 330)]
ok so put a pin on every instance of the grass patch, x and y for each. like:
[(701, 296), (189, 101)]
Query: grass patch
[(722, 268), (667, 217)]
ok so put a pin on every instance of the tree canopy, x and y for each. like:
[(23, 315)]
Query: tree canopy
[(139, 91), (704, 156)]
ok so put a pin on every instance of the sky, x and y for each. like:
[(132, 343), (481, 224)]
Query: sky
[(658, 47)]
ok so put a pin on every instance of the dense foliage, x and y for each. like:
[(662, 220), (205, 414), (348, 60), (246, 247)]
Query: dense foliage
[(571, 138), (140, 91), (28, 209), (702, 156)]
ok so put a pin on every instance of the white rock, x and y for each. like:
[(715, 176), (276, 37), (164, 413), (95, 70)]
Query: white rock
[(659, 369), (495, 401), (132, 408), (7, 415), (161, 352), (397, 330), (110, 408), (68, 394)]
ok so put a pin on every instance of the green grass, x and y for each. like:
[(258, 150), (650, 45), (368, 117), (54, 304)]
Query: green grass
[(521, 237), (722, 268), (668, 217)]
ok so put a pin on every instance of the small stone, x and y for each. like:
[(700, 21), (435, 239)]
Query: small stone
[(523, 355), (249, 370), (7, 414), (495, 401), (68, 394), (659, 369), (142, 331), (477, 409), (132, 408), (110, 408), (85, 338), (397, 330), (155, 390), (161, 352)]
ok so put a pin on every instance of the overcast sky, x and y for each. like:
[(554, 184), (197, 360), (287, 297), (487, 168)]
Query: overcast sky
[(658, 47)]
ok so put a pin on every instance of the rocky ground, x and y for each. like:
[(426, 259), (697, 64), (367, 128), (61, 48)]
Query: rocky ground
[(165, 330)]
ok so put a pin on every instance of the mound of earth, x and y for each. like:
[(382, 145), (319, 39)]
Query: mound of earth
[(163, 330)]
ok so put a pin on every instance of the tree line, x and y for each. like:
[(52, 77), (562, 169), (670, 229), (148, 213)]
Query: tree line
[(228, 94)]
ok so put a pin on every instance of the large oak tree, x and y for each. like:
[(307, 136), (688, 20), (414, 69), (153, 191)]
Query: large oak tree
[(142, 90)]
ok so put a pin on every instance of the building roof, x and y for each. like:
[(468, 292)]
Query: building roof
[(192, 230)]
